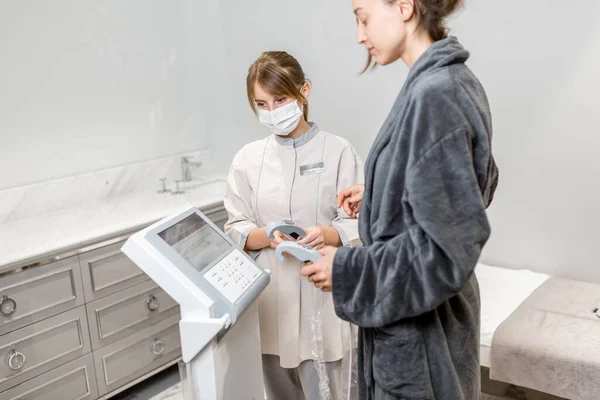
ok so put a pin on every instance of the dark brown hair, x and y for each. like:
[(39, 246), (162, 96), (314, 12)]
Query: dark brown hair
[(432, 16), (279, 74)]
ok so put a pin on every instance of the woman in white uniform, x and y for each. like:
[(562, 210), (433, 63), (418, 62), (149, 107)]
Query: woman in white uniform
[(293, 174)]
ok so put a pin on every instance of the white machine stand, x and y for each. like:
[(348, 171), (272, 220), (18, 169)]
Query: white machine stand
[(215, 283)]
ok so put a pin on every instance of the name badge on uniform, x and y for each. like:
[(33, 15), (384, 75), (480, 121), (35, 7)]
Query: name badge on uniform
[(310, 169)]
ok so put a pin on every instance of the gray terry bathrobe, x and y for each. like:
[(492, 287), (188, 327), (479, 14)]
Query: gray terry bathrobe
[(411, 289)]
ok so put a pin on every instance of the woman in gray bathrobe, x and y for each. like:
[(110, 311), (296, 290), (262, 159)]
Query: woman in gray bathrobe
[(429, 178)]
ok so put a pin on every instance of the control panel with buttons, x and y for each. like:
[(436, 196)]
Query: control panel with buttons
[(233, 275)]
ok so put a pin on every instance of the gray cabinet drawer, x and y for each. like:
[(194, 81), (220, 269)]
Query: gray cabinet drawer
[(73, 381), (106, 270), (37, 348), (39, 292), (124, 361), (121, 314)]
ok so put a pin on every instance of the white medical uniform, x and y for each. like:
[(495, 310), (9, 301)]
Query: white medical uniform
[(279, 178)]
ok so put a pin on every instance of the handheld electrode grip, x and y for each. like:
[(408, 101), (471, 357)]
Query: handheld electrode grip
[(297, 250), (286, 227)]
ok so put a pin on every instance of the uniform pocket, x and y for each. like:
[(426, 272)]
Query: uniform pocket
[(400, 363)]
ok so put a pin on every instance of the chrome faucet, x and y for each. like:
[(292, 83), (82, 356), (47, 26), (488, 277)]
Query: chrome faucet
[(186, 175)]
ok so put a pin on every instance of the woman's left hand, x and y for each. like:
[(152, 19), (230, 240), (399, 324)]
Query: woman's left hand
[(319, 273), (315, 237)]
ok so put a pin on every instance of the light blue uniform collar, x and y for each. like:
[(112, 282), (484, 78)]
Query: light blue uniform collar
[(302, 140)]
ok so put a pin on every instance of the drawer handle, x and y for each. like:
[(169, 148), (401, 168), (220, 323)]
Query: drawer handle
[(158, 347), (7, 306), (16, 360), (153, 303)]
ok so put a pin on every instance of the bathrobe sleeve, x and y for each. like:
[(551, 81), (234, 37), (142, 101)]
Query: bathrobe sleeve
[(416, 271)]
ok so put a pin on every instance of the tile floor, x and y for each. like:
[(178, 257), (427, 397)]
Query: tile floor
[(162, 386), (166, 386)]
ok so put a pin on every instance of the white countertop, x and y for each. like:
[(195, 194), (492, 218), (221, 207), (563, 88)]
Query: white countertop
[(47, 235)]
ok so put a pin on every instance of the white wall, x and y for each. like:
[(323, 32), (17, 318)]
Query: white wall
[(86, 85), (321, 35), (81, 83), (539, 63)]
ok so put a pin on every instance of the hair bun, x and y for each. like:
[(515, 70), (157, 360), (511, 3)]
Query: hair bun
[(450, 6)]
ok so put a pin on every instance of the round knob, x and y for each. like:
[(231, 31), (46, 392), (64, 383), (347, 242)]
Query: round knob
[(158, 347), (153, 303), (16, 360), (7, 306)]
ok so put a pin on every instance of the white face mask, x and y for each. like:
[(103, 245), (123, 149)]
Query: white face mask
[(283, 120)]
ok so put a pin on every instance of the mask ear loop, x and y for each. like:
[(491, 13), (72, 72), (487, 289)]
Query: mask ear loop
[(304, 99)]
